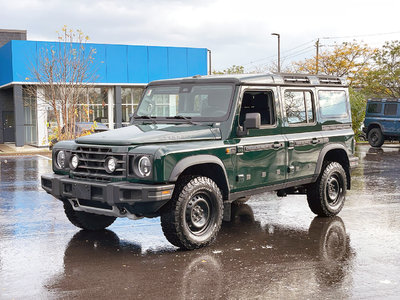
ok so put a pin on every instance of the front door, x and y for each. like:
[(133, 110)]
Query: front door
[(260, 155), (8, 126)]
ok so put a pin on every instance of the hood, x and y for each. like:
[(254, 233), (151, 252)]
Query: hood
[(155, 133)]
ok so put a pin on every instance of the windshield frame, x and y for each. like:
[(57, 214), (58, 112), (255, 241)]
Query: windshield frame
[(169, 119)]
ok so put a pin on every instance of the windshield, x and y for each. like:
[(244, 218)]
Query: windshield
[(186, 101)]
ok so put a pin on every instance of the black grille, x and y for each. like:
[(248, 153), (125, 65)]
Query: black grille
[(91, 164)]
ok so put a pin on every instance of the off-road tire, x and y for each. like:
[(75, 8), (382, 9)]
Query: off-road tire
[(86, 220), (196, 200), (326, 196), (375, 137)]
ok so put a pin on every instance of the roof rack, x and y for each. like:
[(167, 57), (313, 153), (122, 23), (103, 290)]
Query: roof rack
[(330, 80), (294, 78)]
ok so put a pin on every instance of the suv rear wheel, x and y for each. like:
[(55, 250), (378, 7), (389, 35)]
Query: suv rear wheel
[(86, 220), (375, 137), (193, 217), (326, 196)]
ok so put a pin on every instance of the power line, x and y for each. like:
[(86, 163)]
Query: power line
[(298, 46), (283, 52), (305, 50), (361, 35)]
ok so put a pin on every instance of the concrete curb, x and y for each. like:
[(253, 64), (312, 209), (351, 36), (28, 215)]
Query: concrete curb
[(11, 149)]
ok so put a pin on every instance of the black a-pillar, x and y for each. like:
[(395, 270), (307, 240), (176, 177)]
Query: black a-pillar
[(118, 106), (19, 115)]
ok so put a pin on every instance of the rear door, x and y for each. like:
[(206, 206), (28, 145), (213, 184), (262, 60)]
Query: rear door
[(260, 155), (302, 131)]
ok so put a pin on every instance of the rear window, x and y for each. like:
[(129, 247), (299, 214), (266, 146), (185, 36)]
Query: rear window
[(374, 108), (333, 104), (390, 109)]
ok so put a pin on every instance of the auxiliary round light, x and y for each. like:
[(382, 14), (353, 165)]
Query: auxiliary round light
[(144, 166), (60, 159), (74, 161), (111, 164)]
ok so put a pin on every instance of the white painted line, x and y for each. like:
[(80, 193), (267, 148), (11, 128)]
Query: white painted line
[(42, 156)]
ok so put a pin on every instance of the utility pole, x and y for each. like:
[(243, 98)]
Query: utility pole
[(279, 50), (317, 57)]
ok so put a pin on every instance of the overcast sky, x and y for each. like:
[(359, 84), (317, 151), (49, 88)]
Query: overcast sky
[(237, 32)]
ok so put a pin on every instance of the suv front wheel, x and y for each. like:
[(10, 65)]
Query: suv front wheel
[(193, 217), (375, 137), (326, 196)]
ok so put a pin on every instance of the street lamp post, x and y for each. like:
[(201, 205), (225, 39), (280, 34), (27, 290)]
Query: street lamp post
[(279, 50)]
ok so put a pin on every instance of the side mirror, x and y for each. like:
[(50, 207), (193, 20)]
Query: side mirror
[(130, 118), (252, 121)]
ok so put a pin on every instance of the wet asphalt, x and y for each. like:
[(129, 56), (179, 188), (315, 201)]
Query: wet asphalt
[(274, 248)]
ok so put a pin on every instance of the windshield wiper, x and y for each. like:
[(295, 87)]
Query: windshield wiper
[(152, 119), (180, 117), (144, 117)]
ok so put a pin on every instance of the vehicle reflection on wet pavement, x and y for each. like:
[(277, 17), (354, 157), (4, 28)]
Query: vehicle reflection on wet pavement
[(273, 247)]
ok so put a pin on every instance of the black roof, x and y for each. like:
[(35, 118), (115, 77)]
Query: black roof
[(261, 79), (383, 100)]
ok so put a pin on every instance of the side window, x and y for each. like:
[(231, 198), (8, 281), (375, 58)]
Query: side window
[(374, 108), (299, 107), (390, 109), (258, 101), (333, 104)]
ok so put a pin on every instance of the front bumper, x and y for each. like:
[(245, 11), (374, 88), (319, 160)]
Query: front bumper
[(353, 162), (121, 199)]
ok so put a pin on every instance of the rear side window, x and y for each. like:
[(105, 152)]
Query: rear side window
[(299, 107), (390, 109), (374, 108), (333, 104)]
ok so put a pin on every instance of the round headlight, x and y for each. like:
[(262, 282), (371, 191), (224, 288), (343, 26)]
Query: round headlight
[(60, 159), (144, 166), (110, 164), (74, 161)]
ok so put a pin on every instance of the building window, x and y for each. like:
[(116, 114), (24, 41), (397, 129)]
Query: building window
[(130, 98), (97, 104), (30, 116)]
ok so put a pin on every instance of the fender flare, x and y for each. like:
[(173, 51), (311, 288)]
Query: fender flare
[(190, 161), (324, 151)]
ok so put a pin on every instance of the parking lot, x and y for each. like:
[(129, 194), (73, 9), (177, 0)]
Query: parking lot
[(273, 248)]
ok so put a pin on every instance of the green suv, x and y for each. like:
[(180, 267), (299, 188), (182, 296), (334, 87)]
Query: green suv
[(196, 145)]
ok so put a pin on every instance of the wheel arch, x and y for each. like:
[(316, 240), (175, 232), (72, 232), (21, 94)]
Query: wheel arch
[(373, 125), (203, 165), (334, 153)]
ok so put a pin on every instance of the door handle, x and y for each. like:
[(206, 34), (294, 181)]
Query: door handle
[(277, 145), (314, 141)]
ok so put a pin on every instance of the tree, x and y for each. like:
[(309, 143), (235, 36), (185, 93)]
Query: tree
[(358, 105), (347, 59), (234, 69), (384, 78), (64, 73)]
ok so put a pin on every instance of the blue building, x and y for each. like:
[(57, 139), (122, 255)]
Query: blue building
[(123, 72)]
